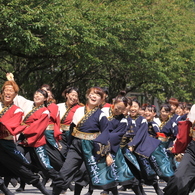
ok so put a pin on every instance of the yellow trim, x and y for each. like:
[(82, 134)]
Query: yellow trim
[(50, 127), (10, 137), (83, 135), (64, 127)]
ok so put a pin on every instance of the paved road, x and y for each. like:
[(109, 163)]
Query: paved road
[(30, 190)]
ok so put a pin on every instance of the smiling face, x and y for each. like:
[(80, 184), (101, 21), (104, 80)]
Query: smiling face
[(8, 94), (94, 99), (164, 114), (39, 98), (179, 111), (72, 98), (119, 108), (149, 114), (134, 110)]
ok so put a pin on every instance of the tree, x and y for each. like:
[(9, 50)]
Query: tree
[(144, 46)]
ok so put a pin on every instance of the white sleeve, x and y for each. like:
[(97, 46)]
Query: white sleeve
[(78, 115), (106, 111), (191, 114), (23, 103)]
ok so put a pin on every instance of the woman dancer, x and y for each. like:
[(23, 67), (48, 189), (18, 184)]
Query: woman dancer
[(150, 114), (67, 110), (148, 154), (32, 138), (119, 126), (89, 128)]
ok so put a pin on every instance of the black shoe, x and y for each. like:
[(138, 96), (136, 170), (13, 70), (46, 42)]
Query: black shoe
[(42, 188), (122, 188), (56, 190), (14, 182), (71, 187), (20, 189)]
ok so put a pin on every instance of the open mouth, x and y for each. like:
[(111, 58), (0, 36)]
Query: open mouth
[(7, 97), (37, 100), (93, 100)]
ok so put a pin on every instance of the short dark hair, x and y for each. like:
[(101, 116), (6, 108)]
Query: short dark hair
[(69, 90)]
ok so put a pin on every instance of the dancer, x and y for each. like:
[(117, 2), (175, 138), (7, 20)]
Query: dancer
[(10, 120), (105, 98), (51, 134), (152, 157), (150, 114), (67, 110), (32, 138), (119, 125), (90, 121), (107, 105)]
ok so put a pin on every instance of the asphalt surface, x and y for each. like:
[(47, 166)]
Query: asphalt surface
[(30, 190)]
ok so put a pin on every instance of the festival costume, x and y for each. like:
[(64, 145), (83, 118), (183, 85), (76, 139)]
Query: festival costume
[(52, 133), (153, 129), (11, 158), (149, 149), (66, 115), (169, 129), (118, 127), (183, 180), (106, 105), (90, 130), (167, 135), (34, 141), (53, 136)]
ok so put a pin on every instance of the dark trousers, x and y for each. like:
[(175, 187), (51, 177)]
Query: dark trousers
[(64, 143), (15, 162), (182, 182), (40, 161), (72, 167)]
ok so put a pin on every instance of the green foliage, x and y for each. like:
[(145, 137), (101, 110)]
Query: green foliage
[(144, 46)]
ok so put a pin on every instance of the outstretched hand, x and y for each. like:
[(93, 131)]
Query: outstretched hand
[(10, 76)]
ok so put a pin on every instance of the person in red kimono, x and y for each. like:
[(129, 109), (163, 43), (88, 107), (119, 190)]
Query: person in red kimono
[(67, 110), (32, 134), (12, 160), (52, 132)]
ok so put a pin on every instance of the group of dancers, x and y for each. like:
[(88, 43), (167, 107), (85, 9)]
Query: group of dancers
[(98, 144)]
